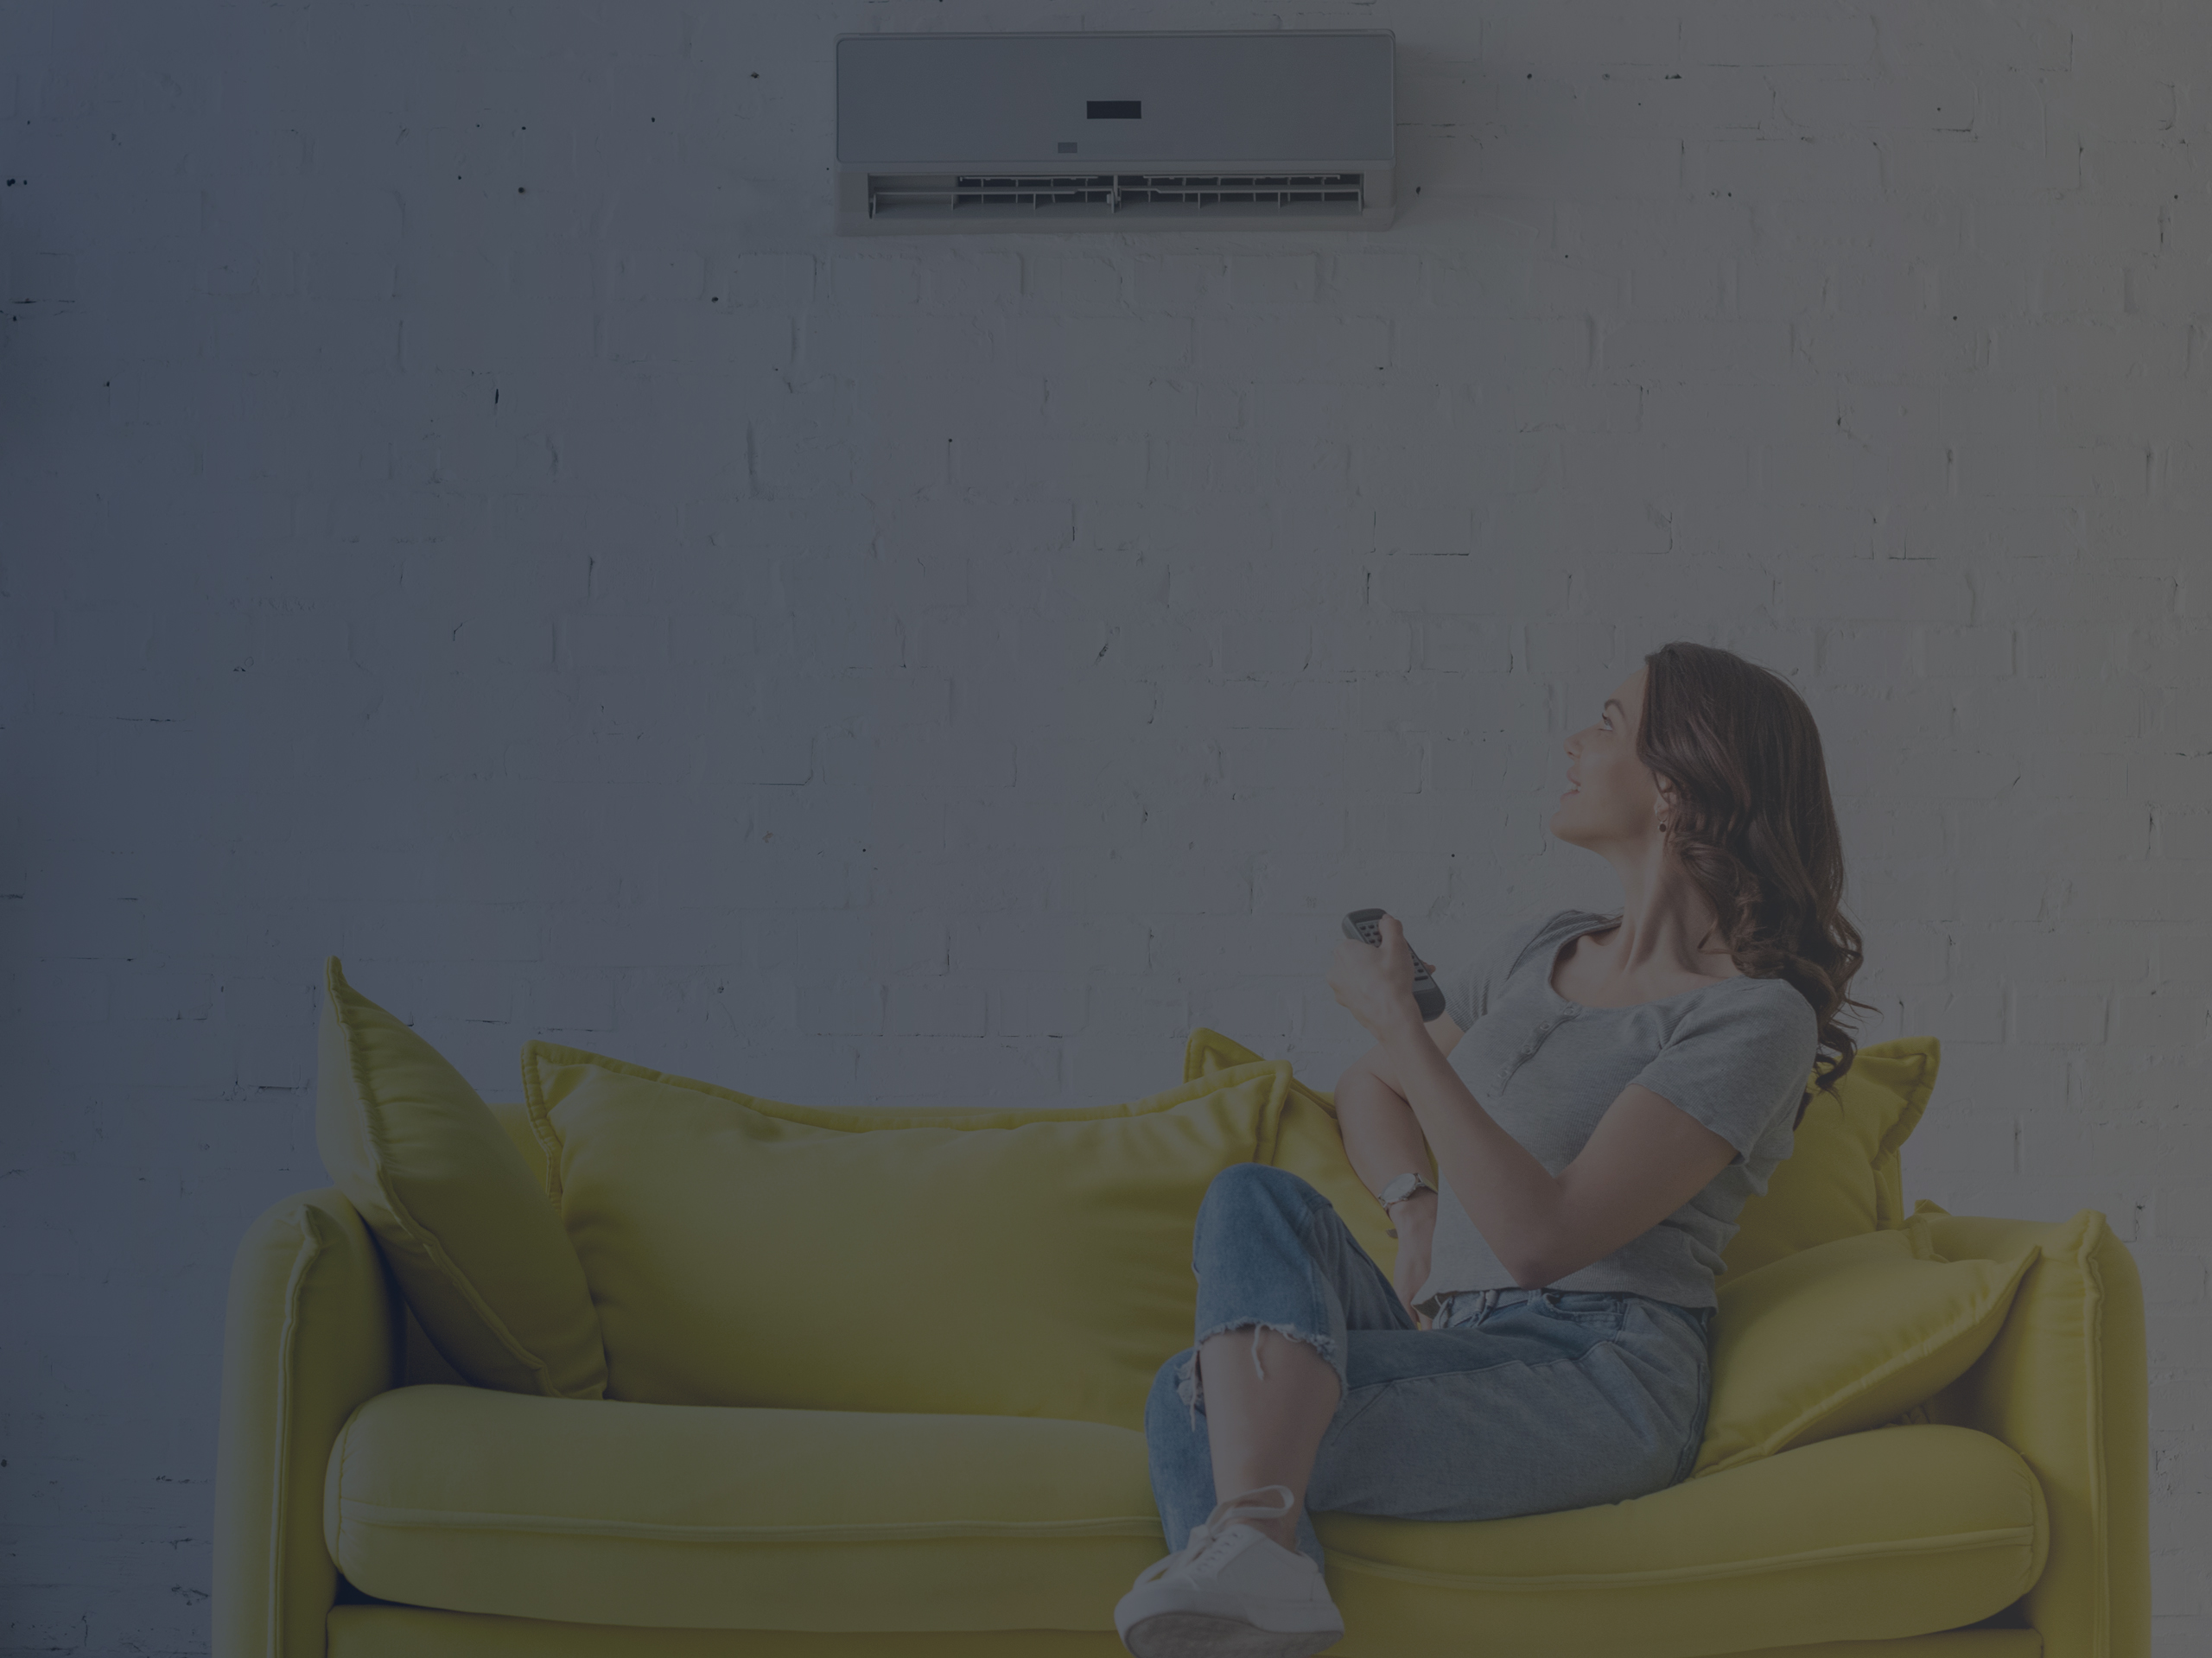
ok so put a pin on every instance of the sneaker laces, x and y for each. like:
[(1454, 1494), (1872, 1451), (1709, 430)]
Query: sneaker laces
[(1208, 1538)]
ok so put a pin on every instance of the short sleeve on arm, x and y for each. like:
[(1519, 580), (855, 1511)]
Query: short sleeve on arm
[(1735, 1060), (1469, 987)]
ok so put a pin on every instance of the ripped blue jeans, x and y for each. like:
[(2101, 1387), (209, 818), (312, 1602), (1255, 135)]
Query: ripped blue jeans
[(1517, 1401)]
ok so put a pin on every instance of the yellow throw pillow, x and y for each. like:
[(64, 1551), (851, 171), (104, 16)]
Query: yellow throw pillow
[(1843, 1336), (743, 1251), (1841, 1176), (1310, 1147), (478, 1251), (1207, 1051)]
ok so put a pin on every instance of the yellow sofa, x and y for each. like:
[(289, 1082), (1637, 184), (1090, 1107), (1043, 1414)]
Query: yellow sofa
[(371, 1504)]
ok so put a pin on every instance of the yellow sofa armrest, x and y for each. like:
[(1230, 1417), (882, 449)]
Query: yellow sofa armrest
[(2066, 1385), (313, 1328)]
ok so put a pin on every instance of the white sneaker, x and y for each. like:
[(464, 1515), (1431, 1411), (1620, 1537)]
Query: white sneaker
[(1230, 1592)]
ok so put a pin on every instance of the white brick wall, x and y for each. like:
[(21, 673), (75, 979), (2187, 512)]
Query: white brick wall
[(463, 512)]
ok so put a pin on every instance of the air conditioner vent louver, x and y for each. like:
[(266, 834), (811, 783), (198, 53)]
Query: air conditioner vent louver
[(936, 195)]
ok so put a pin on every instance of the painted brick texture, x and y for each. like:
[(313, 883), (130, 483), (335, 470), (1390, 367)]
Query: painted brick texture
[(464, 512)]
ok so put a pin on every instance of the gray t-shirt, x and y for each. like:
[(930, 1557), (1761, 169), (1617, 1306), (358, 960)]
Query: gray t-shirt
[(1734, 1054)]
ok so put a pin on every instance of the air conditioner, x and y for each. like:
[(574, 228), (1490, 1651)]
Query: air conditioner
[(1150, 129)]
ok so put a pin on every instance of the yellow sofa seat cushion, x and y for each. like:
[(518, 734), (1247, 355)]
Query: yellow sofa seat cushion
[(743, 1251), (1841, 1178), (674, 1516), (1895, 1532), (479, 1253), (685, 1517), (1845, 1336)]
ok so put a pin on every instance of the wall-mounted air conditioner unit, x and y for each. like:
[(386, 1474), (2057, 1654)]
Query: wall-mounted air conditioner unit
[(1153, 129)]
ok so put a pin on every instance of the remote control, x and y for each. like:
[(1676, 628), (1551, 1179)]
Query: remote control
[(1366, 925)]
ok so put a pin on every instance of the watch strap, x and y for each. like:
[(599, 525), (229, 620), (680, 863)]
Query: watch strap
[(1403, 1187)]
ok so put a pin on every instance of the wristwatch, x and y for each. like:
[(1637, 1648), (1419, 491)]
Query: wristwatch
[(1401, 1188)]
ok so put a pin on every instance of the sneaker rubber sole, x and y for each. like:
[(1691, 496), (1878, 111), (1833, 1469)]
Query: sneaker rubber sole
[(1197, 1635)]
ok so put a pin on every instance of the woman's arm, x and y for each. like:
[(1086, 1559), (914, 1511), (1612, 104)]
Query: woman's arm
[(1643, 1161), (1382, 1137), (1383, 1140)]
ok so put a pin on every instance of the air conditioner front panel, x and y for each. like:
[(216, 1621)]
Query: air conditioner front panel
[(1249, 101)]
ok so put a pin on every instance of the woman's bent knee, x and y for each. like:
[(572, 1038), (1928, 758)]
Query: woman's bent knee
[(1261, 1183), (1250, 1212)]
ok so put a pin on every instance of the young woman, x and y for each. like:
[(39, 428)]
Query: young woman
[(1599, 1097)]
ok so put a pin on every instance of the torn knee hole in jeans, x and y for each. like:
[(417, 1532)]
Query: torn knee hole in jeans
[(1186, 1379)]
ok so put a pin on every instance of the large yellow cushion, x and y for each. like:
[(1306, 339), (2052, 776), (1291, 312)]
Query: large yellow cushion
[(479, 1253), (743, 1251), (1845, 1336), (1841, 1178), (660, 1516)]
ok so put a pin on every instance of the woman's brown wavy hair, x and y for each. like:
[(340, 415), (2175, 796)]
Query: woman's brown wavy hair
[(1752, 823)]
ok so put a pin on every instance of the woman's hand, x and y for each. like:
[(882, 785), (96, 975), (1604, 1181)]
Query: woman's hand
[(1374, 982), (1415, 1219)]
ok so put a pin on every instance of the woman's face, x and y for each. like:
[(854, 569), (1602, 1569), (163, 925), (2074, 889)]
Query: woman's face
[(1612, 797)]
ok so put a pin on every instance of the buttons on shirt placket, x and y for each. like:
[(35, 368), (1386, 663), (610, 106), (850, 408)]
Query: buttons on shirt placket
[(1537, 1040)]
